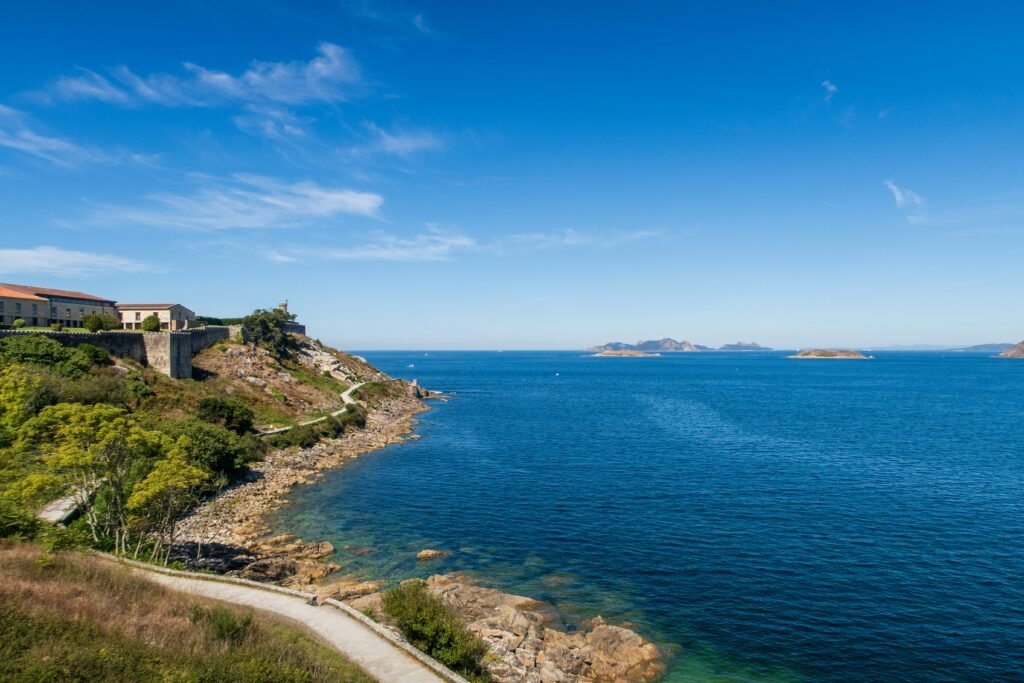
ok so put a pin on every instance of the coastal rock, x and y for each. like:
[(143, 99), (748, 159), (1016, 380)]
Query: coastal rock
[(371, 605), (525, 646), (430, 554), (347, 588), (1015, 352), (270, 570)]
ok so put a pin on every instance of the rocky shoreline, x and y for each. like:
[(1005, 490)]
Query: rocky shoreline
[(228, 534)]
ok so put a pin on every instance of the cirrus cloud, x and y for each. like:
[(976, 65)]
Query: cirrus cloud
[(49, 260), (243, 201)]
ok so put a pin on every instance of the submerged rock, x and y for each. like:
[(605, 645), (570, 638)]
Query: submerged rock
[(430, 554)]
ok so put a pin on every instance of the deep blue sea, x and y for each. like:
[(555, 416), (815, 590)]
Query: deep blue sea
[(761, 518)]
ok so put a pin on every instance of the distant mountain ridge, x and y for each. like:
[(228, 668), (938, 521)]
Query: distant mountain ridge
[(669, 345), (986, 348)]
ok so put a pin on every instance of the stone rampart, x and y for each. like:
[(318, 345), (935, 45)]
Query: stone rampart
[(169, 352)]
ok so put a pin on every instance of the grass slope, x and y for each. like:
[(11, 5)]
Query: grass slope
[(71, 617)]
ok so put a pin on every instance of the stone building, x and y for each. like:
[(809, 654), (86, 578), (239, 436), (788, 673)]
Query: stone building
[(171, 316), (40, 306)]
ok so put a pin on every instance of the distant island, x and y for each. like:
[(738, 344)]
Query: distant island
[(668, 345), (837, 354), (743, 346), (985, 348), (1013, 352), (626, 353)]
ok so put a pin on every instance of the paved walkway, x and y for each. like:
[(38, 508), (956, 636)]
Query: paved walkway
[(378, 657), (346, 399)]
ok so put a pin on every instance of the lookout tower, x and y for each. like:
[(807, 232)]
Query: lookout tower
[(283, 306)]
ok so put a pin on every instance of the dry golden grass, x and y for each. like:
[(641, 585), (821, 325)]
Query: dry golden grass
[(75, 617)]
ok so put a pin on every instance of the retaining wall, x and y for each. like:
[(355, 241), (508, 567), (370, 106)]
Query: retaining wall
[(169, 352)]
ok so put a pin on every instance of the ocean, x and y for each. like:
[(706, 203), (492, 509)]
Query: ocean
[(760, 518)]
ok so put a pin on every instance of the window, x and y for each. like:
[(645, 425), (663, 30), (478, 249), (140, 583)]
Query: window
[(17, 308), (53, 312), (35, 309), (1, 306), (138, 315)]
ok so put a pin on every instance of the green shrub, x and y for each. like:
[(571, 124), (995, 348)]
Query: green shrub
[(18, 323), (16, 522), (151, 324), (431, 626), (37, 349), (266, 329), (94, 354), (223, 624), (228, 413), (56, 327), (96, 322)]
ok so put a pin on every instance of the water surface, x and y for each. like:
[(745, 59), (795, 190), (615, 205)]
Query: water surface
[(760, 517)]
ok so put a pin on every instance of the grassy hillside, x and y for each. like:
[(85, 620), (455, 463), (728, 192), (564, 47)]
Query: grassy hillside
[(70, 617)]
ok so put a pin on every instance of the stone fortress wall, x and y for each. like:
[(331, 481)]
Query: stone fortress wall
[(169, 352)]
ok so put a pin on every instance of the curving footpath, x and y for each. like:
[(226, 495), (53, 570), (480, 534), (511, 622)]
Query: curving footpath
[(382, 654), (346, 398)]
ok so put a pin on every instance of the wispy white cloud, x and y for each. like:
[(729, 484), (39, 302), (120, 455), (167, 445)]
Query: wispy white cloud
[(830, 89), (576, 238), (908, 199), (438, 243), (56, 261), (884, 113), (243, 201), (397, 141), (432, 245), (325, 78), (16, 133), (420, 22), (272, 123)]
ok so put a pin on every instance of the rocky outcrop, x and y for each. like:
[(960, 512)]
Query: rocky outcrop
[(430, 554), (838, 354), (1016, 352), (525, 646)]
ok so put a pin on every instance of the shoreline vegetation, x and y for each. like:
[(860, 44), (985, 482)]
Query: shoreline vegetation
[(181, 473)]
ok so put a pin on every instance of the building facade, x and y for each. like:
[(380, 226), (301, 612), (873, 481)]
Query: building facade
[(171, 316), (41, 306)]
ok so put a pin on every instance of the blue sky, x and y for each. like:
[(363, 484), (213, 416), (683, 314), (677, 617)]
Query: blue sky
[(484, 175)]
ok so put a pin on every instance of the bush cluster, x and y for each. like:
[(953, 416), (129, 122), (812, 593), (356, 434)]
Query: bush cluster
[(431, 626), (266, 329), (228, 413), (95, 322)]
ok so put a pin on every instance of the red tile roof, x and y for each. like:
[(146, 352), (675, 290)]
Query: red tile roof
[(47, 292), (5, 290), (147, 306)]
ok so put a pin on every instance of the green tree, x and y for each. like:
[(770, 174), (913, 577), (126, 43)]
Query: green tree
[(23, 393), (168, 491), (37, 349), (151, 323), (100, 452), (266, 329), (92, 322)]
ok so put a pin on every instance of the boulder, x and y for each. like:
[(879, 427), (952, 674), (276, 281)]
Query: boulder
[(430, 554)]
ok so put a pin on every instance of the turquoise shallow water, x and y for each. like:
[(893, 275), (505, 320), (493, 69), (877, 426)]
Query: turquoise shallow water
[(762, 518)]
